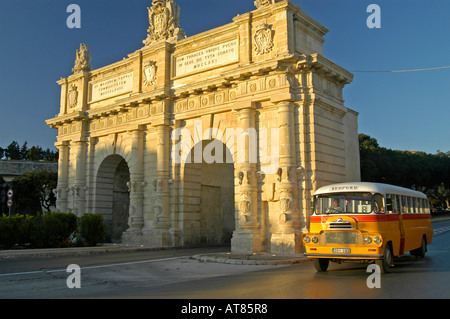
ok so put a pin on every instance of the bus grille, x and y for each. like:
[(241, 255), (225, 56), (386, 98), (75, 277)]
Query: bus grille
[(341, 237), (341, 225)]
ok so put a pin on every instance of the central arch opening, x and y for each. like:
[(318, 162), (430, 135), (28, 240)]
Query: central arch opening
[(209, 193), (112, 196)]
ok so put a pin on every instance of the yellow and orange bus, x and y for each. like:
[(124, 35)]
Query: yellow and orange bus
[(368, 222)]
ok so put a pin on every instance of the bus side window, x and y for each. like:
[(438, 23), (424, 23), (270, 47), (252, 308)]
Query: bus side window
[(390, 203), (398, 206), (404, 205), (378, 204), (427, 206), (425, 209), (413, 205), (419, 206), (410, 204)]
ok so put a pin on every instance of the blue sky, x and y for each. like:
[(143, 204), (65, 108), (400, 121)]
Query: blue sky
[(404, 111)]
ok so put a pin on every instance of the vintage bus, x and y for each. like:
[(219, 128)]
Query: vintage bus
[(368, 222)]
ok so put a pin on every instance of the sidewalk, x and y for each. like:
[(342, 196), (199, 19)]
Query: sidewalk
[(227, 258), (63, 252), (253, 259)]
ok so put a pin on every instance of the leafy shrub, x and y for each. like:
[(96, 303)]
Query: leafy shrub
[(23, 228), (7, 232), (58, 227), (51, 230), (92, 228)]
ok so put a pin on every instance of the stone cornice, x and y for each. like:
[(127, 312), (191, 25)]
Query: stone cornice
[(66, 118), (317, 62)]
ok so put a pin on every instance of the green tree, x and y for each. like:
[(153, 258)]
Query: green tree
[(24, 151), (12, 151), (34, 191), (35, 153), (367, 142), (50, 156), (418, 170)]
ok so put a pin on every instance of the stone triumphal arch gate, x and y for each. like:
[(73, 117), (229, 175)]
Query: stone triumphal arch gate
[(218, 137)]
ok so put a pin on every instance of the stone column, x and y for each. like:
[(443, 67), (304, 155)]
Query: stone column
[(175, 185), (79, 189), (247, 236), (161, 186), (136, 183), (287, 238), (63, 170)]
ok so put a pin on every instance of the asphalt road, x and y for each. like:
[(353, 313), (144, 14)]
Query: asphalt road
[(173, 274)]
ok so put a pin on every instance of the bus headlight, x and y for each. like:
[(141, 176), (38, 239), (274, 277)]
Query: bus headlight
[(315, 240), (367, 240), (377, 240), (306, 239)]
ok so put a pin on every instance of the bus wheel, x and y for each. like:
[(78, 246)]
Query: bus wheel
[(321, 264), (420, 252), (387, 261)]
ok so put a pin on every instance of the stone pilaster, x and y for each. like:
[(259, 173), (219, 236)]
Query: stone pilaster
[(79, 189), (247, 237), (136, 183), (161, 184), (63, 183), (287, 239)]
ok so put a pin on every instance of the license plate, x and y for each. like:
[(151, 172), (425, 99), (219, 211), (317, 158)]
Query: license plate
[(341, 250)]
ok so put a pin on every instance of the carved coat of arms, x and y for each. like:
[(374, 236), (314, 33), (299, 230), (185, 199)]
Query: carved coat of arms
[(149, 71), (263, 39), (72, 96), (264, 3), (164, 20)]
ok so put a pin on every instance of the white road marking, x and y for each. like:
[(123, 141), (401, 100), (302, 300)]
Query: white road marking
[(441, 230), (92, 267)]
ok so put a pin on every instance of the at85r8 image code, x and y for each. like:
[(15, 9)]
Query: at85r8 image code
[(227, 308)]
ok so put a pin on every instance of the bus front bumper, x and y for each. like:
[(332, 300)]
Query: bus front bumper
[(355, 252), (344, 256)]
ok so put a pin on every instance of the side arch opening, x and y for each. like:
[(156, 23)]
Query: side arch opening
[(112, 196)]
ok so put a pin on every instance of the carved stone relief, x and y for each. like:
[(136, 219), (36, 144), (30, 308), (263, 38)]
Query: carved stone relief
[(82, 59), (72, 96), (263, 39), (264, 3), (149, 72), (164, 19), (244, 208)]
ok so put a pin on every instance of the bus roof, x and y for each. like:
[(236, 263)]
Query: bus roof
[(367, 187)]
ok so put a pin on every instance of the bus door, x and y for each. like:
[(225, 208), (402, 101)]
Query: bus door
[(393, 206), (401, 208)]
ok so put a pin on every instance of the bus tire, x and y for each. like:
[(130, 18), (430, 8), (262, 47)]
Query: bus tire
[(321, 264), (387, 261), (420, 252)]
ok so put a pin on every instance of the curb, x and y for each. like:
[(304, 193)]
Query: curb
[(67, 252), (225, 258), (253, 259)]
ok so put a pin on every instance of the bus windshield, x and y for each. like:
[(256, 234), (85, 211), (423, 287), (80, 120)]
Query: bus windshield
[(348, 203)]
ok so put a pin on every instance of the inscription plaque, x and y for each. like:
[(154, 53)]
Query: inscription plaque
[(211, 57), (115, 86)]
